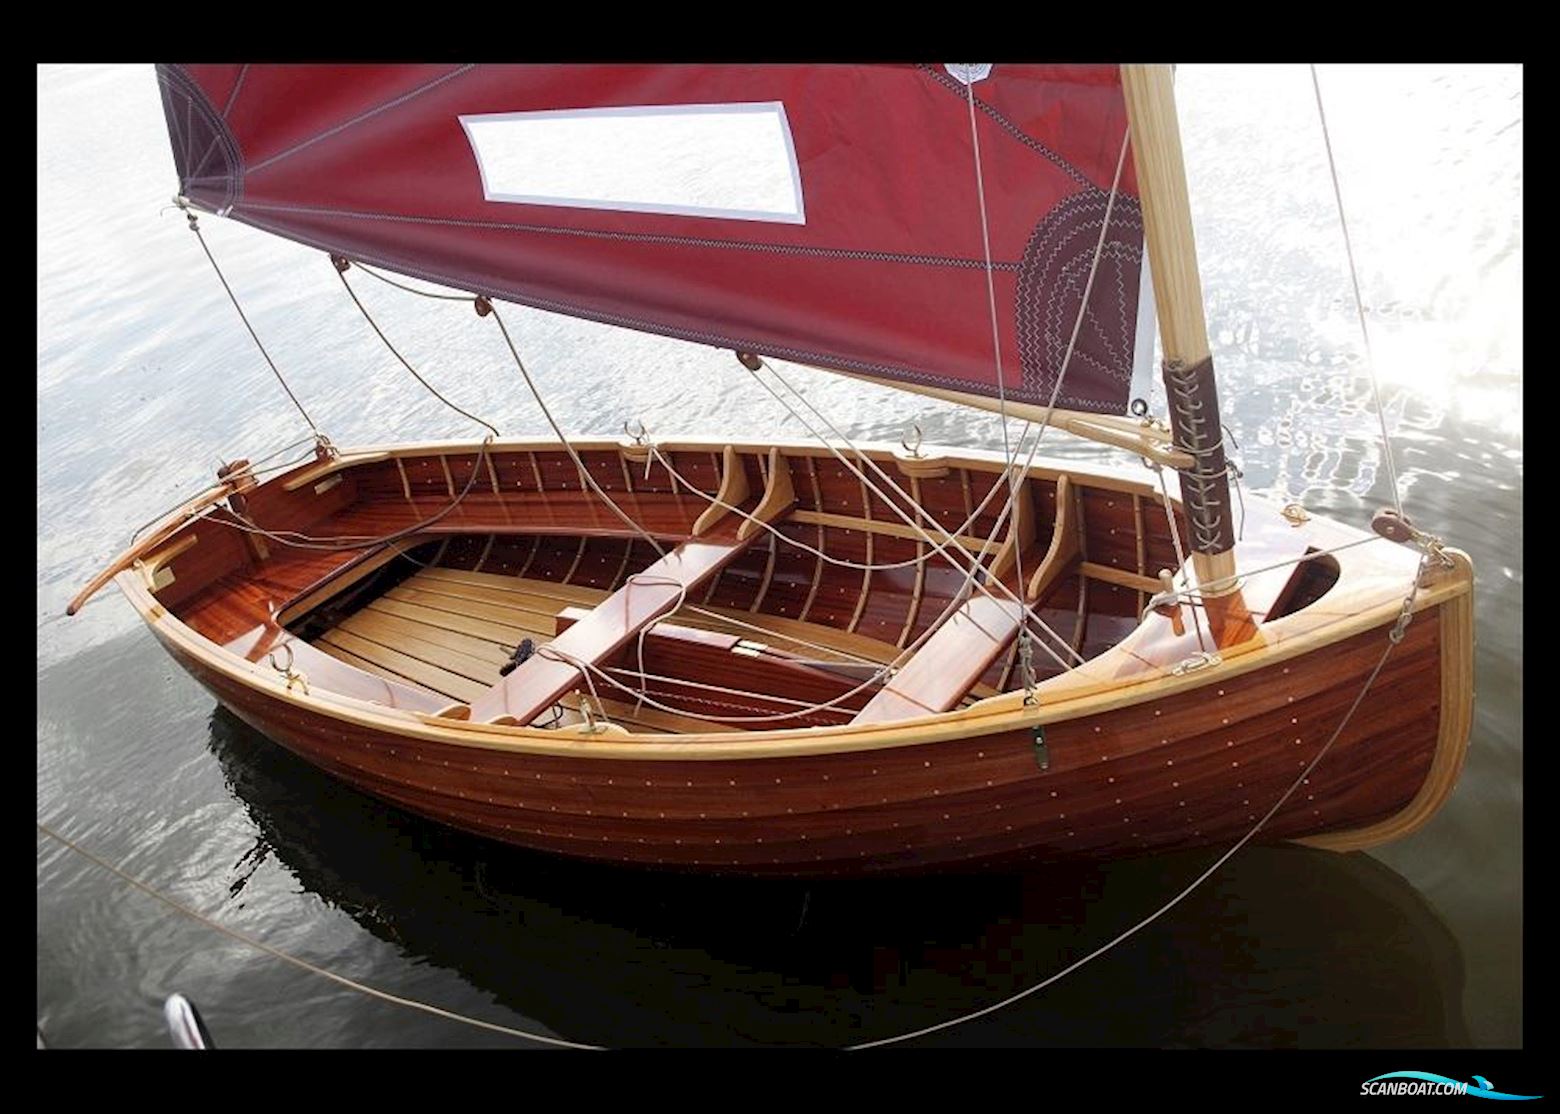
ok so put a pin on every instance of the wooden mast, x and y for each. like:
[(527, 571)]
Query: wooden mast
[(1188, 366)]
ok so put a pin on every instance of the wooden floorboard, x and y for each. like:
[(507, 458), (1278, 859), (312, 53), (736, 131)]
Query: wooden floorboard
[(448, 631)]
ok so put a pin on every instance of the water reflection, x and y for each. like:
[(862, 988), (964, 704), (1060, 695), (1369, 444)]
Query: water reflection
[(1284, 947)]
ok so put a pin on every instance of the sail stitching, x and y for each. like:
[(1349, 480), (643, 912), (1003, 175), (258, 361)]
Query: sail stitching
[(358, 119), (649, 238), (1010, 126)]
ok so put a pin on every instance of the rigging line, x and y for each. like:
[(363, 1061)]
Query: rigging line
[(972, 573), (1014, 483), (1394, 637), (341, 273), (1359, 302), (195, 228), (1180, 553), (842, 562), (585, 475), (412, 289), (257, 472), (354, 541), (1194, 594), (1044, 424), (260, 945)]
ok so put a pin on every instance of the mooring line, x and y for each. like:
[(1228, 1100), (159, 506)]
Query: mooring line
[(260, 945)]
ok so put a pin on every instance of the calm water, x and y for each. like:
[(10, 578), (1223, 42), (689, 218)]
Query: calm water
[(146, 381)]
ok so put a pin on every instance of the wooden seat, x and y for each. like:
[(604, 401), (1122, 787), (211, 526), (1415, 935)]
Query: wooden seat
[(538, 683), (950, 663)]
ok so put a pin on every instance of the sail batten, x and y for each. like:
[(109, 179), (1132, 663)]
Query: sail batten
[(840, 226)]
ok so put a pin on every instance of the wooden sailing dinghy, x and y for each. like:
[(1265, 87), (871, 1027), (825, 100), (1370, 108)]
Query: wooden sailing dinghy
[(797, 657)]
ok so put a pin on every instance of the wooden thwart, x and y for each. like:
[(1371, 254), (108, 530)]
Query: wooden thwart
[(948, 665), (539, 682)]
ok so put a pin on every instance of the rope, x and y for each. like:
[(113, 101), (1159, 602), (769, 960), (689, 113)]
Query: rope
[(842, 562), (1394, 637), (1195, 594), (1014, 482), (341, 273), (1180, 553), (342, 980), (585, 476), (1359, 302), (301, 540), (975, 567), (195, 228)]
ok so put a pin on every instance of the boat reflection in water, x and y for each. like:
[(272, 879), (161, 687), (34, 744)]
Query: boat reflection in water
[(1283, 947)]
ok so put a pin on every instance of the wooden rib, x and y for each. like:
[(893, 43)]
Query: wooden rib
[(1083, 615), (449, 480), (486, 550), (406, 485), (866, 573), (419, 672), (536, 544), (921, 552), (769, 574), (812, 591), (1142, 550), (733, 492), (578, 557), (1066, 542), (879, 526)]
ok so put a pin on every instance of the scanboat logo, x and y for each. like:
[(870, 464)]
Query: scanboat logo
[(1424, 1083)]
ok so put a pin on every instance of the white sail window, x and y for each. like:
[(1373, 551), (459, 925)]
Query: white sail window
[(727, 161)]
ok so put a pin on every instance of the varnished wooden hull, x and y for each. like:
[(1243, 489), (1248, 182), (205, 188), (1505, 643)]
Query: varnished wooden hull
[(1168, 774), (1134, 763)]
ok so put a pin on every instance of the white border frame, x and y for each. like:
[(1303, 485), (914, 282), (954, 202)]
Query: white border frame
[(798, 216)]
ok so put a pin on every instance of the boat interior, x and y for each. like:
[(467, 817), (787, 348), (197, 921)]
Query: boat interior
[(495, 555)]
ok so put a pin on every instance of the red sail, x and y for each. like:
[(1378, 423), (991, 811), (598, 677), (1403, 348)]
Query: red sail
[(868, 258)]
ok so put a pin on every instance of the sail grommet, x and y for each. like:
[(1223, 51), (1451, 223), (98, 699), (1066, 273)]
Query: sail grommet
[(481, 304), (341, 263), (750, 360)]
